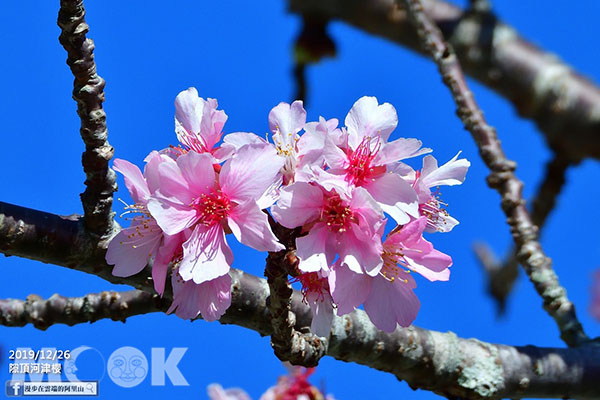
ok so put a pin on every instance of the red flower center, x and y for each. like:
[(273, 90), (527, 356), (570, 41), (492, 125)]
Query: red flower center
[(337, 214), (313, 283), (360, 170), (211, 208)]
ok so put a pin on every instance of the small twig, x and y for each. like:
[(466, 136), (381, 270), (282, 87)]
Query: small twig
[(502, 276), (89, 95), (502, 178), (58, 309), (288, 343)]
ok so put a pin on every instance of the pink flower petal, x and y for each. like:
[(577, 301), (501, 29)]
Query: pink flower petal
[(206, 255), (171, 215), (212, 123), (392, 303), (173, 183), (312, 250), (395, 196), (153, 160), (189, 109), (134, 180), (250, 172), (164, 255), (251, 227), (368, 118), (197, 170), (451, 173), (400, 149), (335, 157), (361, 251), (286, 119), (348, 289), (131, 249), (322, 313), (214, 298), (298, 204), (211, 299)]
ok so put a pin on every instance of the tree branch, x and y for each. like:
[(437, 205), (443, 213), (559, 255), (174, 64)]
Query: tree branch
[(440, 362), (502, 275), (502, 178), (58, 309), (565, 105), (89, 95), (288, 343)]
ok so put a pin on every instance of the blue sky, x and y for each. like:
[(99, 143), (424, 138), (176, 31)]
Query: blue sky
[(240, 53)]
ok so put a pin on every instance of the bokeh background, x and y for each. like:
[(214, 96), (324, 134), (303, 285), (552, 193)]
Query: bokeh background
[(241, 53)]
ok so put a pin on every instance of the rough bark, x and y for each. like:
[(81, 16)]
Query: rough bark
[(88, 92), (502, 275), (58, 309)]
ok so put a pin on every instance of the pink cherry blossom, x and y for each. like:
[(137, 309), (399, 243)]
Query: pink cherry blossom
[(216, 392), (133, 247), (362, 156), (210, 298), (198, 123), (450, 174), (298, 151), (192, 196), (315, 291), (389, 298), (295, 387), (342, 223)]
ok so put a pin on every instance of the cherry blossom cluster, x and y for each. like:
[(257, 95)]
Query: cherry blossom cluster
[(341, 185), (294, 386)]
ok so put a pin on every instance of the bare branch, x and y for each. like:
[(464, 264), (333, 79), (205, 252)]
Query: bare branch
[(440, 362), (502, 178), (565, 105), (58, 309), (502, 275), (88, 92)]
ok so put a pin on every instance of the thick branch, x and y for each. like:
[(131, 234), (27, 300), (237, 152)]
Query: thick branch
[(537, 265), (440, 362), (58, 309), (565, 105), (88, 92)]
